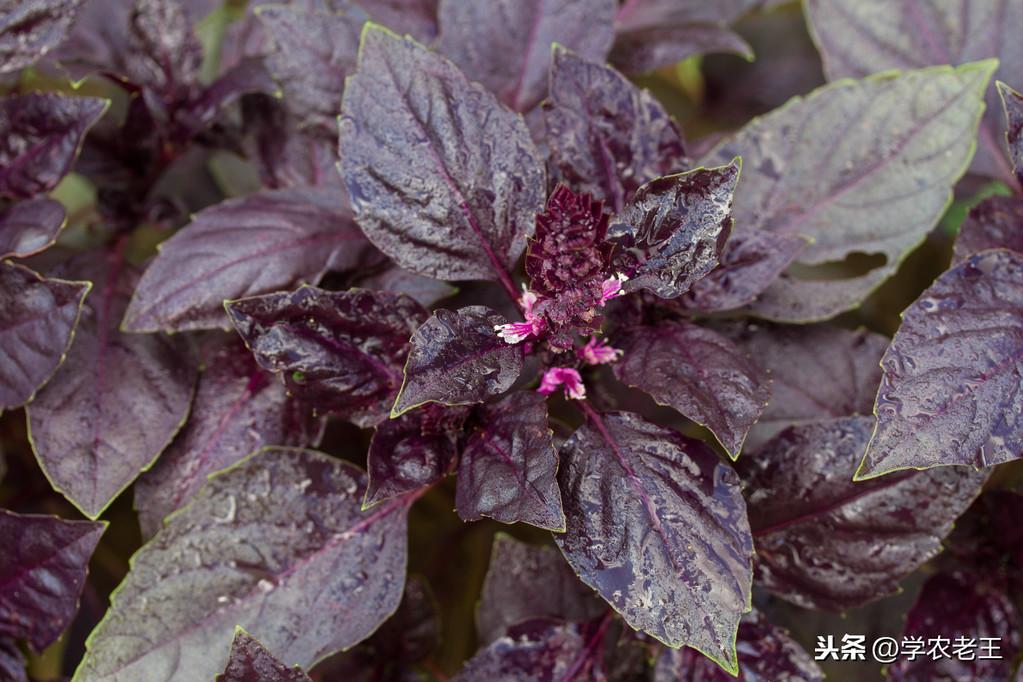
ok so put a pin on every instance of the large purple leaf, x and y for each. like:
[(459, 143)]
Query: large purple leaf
[(961, 605), (836, 376), (30, 28), (654, 33), (316, 50), (1012, 103), (657, 525), (698, 372), (539, 650), (508, 469), (751, 262), (238, 409), (766, 654), (506, 44), (525, 582), (673, 230), (860, 167), (458, 359), (994, 223), (116, 403), (251, 662), (443, 179), (28, 227), (268, 241), (341, 351), (411, 452), (860, 37), (425, 290), (950, 390), (607, 137), (825, 541), (42, 574), (37, 321), (277, 545), (40, 137)]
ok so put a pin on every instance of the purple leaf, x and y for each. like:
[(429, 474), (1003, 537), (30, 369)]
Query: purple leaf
[(508, 469), (263, 242), (506, 44), (425, 290), (860, 167), (248, 76), (766, 654), (751, 262), (341, 351), (37, 321), (40, 137), (657, 525), (539, 650), (277, 545), (458, 359), (29, 29), (525, 582), (950, 390), (673, 230), (28, 227), (417, 18), (860, 37), (655, 33), (607, 137), (12, 662), (825, 541), (251, 662), (116, 403), (698, 372), (442, 178), (961, 605), (994, 223), (42, 574), (412, 451), (238, 409), (162, 53), (1012, 104), (315, 52), (836, 376)]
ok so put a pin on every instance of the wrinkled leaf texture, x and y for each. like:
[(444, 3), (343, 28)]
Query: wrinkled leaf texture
[(29, 29), (860, 167), (251, 662), (994, 223), (1012, 105), (277, 545), (657, 525), (824, 541), (442, 178)]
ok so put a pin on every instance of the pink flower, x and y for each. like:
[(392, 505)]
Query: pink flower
[(516, 332), (597, 352), (566, 377), (612, 288)]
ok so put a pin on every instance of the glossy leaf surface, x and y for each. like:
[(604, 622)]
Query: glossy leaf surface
[(42, 574), (860, 167), (857, 38), (38, 317), (251, 662), (766, 654), (116, 402), (607, 137), (316, 50), (28, 227), (29, 29), (825, 541), (425, 290), (277, 545), (537, 650), (506, 44), (674, 229), (238, 409), (40, 137), (443, 179), (657, 525), (508, 469), (526, 582), (698, 372), (12, 662), (950, 389), (458, 359), (994, 223), (267, 241), (341, 351)]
